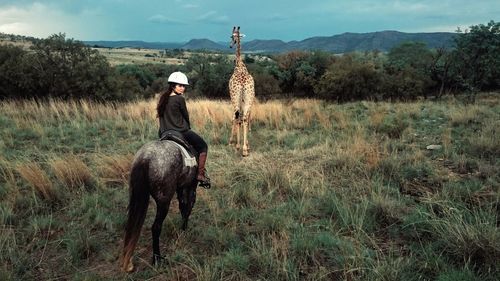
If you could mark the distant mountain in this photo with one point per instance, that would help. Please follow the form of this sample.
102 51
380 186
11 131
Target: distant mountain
265 46
349 42
205 44
342 43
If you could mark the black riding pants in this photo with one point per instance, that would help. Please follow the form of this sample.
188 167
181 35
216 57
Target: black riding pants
196 141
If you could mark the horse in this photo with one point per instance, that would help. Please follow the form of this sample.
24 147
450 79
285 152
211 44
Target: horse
158 171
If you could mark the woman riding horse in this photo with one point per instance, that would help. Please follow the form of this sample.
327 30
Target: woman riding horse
173 115
158 171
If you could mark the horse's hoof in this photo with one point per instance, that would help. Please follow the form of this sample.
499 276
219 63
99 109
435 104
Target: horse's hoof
128 267
157 260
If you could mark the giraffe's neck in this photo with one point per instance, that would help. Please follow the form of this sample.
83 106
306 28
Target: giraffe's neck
240 65
238 51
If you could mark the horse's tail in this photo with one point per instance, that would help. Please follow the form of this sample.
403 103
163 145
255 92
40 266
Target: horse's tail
139 187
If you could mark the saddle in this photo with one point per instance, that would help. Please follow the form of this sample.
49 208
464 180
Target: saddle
189 154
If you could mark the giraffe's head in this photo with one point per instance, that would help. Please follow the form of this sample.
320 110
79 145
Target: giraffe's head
235 36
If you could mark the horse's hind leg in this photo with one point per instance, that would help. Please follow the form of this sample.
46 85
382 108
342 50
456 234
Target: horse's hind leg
161 213
187 198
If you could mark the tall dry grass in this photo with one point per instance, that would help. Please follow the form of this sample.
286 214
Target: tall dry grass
114 169
55 109
71 171
463 115
37 178
298 113
6 172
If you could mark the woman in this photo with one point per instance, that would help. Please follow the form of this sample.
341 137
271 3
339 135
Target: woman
173 115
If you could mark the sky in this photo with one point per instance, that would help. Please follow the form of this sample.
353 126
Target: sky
287 20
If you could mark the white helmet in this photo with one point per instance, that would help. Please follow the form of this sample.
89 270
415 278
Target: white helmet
178 78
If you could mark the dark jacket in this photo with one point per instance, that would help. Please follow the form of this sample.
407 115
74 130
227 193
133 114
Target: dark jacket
176 116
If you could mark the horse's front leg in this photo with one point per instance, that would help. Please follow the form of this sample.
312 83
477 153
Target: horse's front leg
161 214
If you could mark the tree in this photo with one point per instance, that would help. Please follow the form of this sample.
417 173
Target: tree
66 68
410 54
13 82
143 75
264 74
476 59
288 64
299 71
408 71
440 68
209 75
347 79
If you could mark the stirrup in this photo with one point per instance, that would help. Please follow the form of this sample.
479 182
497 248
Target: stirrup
205 183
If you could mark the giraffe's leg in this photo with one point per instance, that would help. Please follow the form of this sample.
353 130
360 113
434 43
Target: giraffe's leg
233 132
249 122
238 140
245 140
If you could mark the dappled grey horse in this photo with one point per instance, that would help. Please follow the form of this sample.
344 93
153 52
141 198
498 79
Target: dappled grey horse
158 170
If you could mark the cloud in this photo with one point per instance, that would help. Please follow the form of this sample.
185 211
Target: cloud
15 28
412 7
444 28
277 17
34 20
207 15
44 19
212 17
190 6
163 19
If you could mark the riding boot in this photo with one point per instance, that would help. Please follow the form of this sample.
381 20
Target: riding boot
202 173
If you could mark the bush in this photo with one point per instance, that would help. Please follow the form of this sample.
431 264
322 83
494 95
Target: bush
408 72
348 80
476 59
13 67
209 75
56 67
404 84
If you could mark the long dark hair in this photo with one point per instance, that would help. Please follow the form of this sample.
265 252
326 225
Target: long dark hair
162 103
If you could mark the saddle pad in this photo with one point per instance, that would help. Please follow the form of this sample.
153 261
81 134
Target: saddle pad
189 161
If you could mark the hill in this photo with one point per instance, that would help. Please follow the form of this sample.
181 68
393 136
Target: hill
341 43
382 41
203 44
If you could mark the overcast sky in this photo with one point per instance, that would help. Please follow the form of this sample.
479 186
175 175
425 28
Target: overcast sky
182 20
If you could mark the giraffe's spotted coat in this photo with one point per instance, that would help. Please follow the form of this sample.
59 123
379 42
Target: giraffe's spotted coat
242 92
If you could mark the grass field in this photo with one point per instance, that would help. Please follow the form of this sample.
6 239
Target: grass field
329 192
22 44
117 56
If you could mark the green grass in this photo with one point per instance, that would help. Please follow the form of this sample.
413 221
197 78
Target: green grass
329 192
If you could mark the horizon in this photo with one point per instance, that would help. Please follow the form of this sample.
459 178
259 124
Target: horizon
326 36
125 20
219 42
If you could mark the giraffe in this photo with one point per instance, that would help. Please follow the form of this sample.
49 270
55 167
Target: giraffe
242 92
